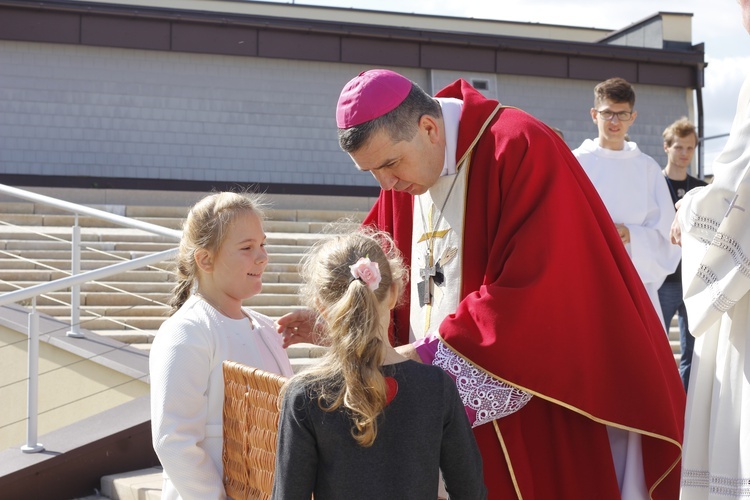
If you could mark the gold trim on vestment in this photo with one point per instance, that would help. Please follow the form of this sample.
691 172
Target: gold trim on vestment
507 459
657 483
579 411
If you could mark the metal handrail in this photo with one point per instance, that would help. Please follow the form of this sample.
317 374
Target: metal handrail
79 279
100 214
73 282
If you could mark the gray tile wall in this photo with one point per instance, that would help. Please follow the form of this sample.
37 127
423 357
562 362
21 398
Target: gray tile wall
90 111
566 103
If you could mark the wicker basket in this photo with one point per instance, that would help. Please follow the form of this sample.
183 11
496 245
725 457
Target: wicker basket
251 420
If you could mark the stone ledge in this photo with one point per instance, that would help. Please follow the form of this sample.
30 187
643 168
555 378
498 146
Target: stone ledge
144 484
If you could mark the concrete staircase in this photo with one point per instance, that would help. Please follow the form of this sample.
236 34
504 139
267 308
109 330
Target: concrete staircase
131 306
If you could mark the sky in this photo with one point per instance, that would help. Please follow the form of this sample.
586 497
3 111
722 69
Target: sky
717 23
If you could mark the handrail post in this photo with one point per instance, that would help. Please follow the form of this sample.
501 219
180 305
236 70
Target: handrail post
75 290
32 405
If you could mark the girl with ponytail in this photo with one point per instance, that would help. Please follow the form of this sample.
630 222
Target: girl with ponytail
365 422
220 264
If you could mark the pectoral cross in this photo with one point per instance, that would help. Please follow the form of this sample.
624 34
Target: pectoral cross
427 273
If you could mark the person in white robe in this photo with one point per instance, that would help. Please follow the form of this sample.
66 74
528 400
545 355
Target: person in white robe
713 225
631 185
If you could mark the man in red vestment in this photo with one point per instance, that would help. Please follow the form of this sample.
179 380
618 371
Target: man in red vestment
549 303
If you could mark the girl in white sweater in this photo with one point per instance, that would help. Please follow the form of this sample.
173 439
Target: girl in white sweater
221 262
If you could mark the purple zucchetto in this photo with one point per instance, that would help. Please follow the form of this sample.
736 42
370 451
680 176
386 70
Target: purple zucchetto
369 95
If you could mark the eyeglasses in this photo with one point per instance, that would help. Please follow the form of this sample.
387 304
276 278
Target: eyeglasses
623 116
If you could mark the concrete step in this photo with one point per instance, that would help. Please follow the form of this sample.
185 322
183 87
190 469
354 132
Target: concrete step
105 232
12 245
36 253
136 338
315 215
170 222
284 258
144 484
305 351
675 345
152 305
113 299
300 240
133 239
141 211
122 201
118 323
61 257
49 220
143 287
139 310
143 347
16 207
144 212
287 249
108 298
310 225
41 275
105 286
65 265
143 246
114 234
282 278
48 244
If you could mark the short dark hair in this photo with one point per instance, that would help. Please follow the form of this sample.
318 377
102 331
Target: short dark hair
680 128
616 90
401 123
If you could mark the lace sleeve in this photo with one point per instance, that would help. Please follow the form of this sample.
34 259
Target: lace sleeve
484 398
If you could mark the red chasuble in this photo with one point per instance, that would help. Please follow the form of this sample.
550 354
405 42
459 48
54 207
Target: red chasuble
551 304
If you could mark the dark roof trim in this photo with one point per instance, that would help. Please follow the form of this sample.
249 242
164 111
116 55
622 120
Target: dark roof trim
257 36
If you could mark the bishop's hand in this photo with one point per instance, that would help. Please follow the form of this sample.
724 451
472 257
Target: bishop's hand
299 326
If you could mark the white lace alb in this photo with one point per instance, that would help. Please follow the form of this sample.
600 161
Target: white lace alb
489 398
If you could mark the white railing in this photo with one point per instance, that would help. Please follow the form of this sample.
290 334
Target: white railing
73 282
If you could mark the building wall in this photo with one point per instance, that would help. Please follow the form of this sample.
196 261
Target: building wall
70 388
85 111
566 104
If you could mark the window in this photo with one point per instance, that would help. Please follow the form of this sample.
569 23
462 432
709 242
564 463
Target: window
480 84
